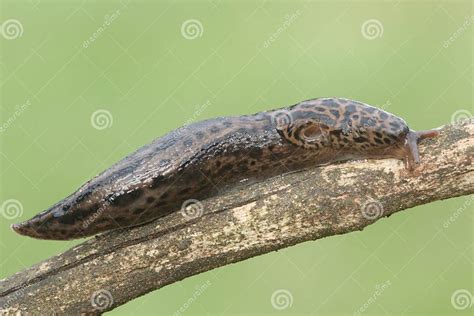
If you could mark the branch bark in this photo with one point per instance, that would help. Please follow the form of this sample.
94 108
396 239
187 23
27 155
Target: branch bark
112 269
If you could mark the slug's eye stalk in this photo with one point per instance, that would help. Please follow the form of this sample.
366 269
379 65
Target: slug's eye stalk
412 156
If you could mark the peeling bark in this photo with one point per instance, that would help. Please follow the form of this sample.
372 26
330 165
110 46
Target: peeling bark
114 268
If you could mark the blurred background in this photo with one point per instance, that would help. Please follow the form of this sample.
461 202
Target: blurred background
85 83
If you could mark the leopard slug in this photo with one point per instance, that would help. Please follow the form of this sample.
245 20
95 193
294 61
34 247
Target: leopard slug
199 160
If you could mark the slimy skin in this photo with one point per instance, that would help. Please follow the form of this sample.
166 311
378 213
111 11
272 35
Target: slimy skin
199 160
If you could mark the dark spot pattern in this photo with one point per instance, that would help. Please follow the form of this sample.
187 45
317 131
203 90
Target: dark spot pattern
335 113
127 198
150 199
138 210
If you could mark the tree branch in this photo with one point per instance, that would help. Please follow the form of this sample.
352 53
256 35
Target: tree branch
112 269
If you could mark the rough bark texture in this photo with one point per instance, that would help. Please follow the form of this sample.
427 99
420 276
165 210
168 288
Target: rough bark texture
112 269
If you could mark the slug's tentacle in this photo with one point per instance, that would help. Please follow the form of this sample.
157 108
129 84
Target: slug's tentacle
427 134
412 159
195 162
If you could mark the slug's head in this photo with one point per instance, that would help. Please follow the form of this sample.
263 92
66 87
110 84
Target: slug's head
350 130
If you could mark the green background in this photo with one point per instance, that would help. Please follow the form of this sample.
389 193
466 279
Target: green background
152 79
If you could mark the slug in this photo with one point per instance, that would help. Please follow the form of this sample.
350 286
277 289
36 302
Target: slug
197 161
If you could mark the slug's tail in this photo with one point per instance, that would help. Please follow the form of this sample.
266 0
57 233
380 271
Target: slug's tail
37 227
40 231
21 228
411 146
49 224
27 229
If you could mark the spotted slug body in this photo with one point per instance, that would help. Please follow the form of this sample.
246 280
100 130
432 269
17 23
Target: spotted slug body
199 160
